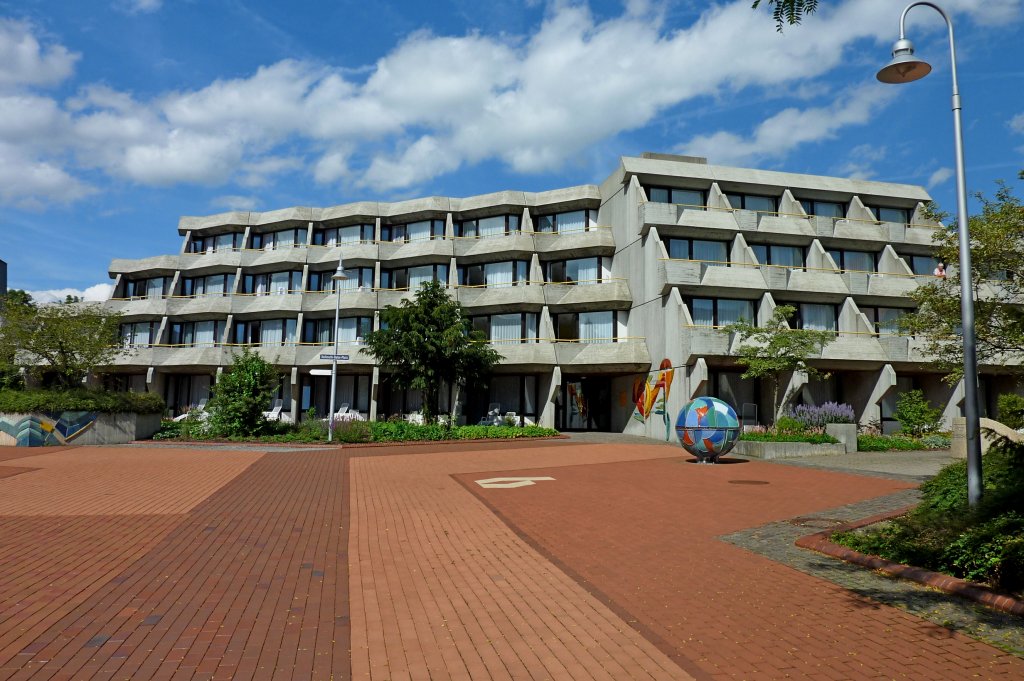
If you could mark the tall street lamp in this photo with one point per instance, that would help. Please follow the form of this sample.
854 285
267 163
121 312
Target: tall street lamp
905 68
338 277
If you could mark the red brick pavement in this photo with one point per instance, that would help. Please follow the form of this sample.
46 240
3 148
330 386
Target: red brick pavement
643 536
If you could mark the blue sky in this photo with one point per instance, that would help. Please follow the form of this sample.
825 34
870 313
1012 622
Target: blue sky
119 116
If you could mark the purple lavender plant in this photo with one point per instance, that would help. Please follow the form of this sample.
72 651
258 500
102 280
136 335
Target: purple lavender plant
816 416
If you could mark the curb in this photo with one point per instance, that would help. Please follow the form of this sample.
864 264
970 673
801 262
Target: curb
343 445
821 543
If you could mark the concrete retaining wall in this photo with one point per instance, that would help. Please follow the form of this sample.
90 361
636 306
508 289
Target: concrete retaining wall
846 433
79 428
784 450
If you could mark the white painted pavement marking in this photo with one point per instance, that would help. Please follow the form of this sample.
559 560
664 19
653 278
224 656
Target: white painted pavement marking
507 483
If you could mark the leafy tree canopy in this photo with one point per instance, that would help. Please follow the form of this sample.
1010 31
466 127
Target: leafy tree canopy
997 278
426 342
62 342
774 349
242 395
788 11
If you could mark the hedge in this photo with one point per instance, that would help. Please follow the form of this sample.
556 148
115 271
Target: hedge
811 438
56 401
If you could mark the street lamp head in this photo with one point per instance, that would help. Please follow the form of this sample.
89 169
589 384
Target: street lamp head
339 274
904 67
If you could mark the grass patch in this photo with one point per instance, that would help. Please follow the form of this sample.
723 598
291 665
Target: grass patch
983 544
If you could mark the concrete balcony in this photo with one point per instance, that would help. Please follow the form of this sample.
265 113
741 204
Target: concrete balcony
517 245
706 341
526 356
692 275
278 355
389 297
921 235
860 230
855 347
326 301
195 264
199 306
356 253
191 357
821 282
772 224
308 355
891 285
138 307
607 295
280 258
140 357
504 299
904 349
286 305
155 266
626 356
595 241
671 215
417 252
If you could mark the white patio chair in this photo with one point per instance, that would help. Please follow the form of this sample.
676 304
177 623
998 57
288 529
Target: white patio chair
200 410
275 412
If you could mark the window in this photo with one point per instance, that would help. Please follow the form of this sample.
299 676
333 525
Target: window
197 334
586 327
720 311
284 238
854 261
818 317
494 274
265 332
211 285
155 287
139 333
716 252
886 214
755 202
578 271
353 330
824 209
567 223
414 231
358 278
506 329
783 256
411 277
278 283
884 319
498 225
923 264
515 393
693 198
352 234
212 244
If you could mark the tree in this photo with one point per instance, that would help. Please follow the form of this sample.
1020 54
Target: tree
10 372
789 11
60 342
771 350
428 341
997 279
242 395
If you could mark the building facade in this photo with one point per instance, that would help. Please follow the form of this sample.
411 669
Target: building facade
607 302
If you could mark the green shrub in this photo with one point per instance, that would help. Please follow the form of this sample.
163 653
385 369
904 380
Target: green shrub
101 401
788 424
885 443
1011 410
935 441
812 438
241 397
916 415
350 431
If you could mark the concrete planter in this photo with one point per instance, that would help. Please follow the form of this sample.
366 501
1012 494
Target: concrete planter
784 450
75 427
846 433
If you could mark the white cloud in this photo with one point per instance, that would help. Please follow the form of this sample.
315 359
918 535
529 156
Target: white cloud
25 180
1017 123
938 177
235 202
58 295
26 62
141 6
436 103
777 136
860 162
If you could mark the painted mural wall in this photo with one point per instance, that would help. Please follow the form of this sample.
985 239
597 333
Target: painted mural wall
650 396
38 430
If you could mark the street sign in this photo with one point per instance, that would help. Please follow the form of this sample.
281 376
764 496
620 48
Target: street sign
325 355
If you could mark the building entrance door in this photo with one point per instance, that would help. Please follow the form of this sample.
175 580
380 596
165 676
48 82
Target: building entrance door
586 404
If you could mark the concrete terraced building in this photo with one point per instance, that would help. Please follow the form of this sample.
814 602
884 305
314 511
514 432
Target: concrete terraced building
601 299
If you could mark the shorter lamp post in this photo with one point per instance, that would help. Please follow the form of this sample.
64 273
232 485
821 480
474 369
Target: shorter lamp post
906 68
338 277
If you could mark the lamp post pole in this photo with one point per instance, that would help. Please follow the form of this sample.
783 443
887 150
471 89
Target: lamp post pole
338 277
905 68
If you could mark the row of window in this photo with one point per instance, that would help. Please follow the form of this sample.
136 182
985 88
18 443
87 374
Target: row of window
561 223
500 329
697 198
814 316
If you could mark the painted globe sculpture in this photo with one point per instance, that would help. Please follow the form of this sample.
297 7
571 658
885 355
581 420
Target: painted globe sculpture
708 428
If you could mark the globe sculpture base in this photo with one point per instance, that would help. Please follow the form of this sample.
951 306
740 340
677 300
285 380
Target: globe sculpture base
708 428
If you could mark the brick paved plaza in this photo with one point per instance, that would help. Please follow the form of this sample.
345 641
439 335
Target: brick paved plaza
394 563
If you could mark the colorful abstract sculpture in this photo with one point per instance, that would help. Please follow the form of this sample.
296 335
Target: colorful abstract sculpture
708 428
